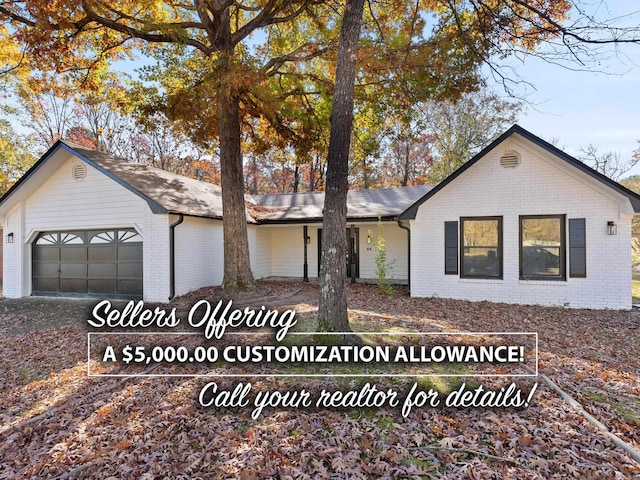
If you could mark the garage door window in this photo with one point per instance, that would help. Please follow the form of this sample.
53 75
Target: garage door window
102 237
47 239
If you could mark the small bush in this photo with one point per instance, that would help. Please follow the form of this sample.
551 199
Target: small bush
384 268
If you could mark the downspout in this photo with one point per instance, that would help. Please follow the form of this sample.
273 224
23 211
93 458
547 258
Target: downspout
305 268
172 256
405 227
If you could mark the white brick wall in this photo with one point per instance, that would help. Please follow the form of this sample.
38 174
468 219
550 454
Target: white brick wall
61 203
540 185
199 254
259 248
13 262
156 257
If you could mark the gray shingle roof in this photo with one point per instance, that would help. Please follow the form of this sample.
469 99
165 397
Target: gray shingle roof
370 204
167 192
180 194
170 191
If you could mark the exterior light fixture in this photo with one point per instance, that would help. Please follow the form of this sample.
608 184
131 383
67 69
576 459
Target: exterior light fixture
612 228
10 237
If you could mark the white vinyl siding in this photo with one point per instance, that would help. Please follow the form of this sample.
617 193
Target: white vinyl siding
396 242
95 202
287 250
259 251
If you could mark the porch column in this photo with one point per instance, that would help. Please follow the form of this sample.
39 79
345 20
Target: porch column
305 239
352 252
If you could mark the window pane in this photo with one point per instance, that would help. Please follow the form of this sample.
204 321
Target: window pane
47 239
70 239
102 237
481 249
129 236
541 247
480 232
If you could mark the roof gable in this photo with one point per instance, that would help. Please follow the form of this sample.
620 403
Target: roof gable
164 192
634 199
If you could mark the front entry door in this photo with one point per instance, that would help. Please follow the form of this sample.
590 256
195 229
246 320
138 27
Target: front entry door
353 253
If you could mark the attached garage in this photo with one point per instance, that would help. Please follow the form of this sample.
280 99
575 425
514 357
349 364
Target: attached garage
83 223
90 262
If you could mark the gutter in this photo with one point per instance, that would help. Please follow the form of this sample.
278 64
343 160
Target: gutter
309 220
305 266
172 256
405 227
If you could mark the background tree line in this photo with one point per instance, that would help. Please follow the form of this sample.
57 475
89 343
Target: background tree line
431 140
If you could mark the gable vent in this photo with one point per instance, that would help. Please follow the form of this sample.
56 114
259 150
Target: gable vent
79 171
510 159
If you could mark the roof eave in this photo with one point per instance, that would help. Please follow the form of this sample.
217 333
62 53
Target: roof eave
297 221
29 173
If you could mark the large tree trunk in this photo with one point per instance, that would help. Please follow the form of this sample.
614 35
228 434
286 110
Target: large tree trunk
237 268
332 311
296 178
407 164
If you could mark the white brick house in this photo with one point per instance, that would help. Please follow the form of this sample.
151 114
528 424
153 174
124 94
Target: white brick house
521 222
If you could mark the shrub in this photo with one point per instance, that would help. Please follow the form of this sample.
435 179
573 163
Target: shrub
384 268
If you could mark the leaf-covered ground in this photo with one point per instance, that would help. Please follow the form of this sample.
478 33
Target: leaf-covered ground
56 422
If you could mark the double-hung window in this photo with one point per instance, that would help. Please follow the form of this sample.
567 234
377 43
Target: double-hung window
542 247
481 247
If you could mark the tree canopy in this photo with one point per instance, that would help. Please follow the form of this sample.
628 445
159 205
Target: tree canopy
15 155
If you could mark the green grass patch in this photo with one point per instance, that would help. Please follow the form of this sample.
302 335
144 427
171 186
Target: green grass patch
32 373
628 410
635 288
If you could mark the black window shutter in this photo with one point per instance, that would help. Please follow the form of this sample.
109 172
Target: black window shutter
451 248
577 248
